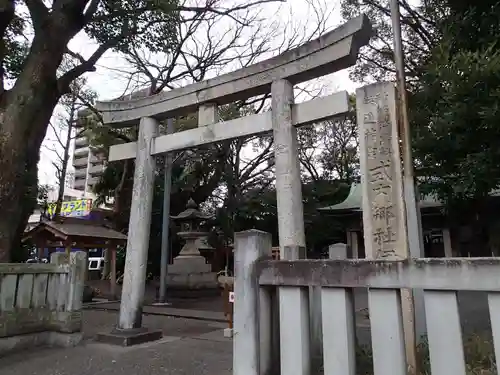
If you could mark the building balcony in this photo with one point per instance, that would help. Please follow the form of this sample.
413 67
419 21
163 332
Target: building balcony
79 162
96 159
81 142
81 151
96 170
79 184
80 173
91 181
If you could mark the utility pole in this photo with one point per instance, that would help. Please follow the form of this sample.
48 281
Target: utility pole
166 220
414 299
413 216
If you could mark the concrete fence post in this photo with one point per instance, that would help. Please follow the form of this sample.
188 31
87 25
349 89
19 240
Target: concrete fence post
76 280
59 258
66 291
249 247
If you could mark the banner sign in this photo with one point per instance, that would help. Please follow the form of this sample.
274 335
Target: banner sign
76 208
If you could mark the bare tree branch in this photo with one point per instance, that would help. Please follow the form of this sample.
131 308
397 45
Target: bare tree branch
226 11
56 133
87 66
76 55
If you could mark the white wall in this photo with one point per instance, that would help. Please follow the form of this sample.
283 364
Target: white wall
52 196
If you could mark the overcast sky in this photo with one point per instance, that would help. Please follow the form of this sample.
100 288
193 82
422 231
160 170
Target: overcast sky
109 83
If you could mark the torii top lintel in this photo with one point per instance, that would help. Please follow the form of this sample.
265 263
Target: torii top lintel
331 52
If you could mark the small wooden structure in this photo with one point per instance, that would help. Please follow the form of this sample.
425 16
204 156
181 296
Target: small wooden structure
74 233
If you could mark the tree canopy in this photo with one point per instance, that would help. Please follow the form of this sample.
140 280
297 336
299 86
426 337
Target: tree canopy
452 65
34 50
456 107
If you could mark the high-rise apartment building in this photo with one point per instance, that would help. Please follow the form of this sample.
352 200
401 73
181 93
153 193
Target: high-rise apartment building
88 165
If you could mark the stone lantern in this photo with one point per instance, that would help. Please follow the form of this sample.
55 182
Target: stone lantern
191 220
190 272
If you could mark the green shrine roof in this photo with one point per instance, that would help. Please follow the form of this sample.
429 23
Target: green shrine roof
354 201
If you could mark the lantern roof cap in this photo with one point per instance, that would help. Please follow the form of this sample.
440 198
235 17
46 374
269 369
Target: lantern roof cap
192 213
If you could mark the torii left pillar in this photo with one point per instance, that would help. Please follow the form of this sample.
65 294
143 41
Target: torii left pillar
129 330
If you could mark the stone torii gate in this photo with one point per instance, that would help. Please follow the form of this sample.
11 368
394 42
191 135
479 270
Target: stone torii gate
331 52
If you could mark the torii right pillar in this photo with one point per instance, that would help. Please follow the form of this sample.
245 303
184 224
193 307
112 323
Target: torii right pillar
384 219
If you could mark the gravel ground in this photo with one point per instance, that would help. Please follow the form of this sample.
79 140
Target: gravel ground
188 347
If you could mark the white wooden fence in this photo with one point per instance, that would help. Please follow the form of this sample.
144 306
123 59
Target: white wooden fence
258 278
40 298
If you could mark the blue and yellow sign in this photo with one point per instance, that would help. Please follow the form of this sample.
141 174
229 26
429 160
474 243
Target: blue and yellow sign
76 208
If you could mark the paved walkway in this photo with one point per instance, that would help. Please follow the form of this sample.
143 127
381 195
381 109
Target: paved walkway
188 347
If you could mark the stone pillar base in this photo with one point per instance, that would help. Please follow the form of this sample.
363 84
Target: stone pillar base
189 264
129 337
191 276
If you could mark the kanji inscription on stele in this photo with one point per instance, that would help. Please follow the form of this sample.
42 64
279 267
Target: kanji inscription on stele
383 209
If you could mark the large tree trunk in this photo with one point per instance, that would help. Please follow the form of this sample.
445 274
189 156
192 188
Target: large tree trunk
29 204
19 155
25 112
